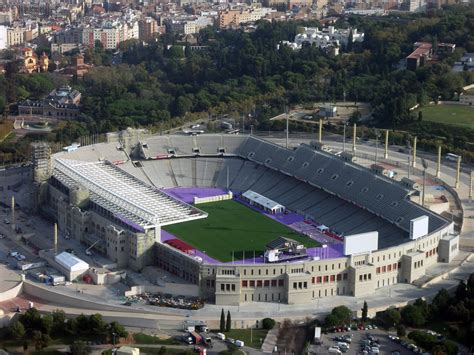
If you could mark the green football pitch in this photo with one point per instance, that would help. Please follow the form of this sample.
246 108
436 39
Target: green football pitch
456 115
233 227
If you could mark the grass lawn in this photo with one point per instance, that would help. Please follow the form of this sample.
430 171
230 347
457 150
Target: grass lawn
232 226
244 335
449 114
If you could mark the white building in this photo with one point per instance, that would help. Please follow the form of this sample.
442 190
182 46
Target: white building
3 37
328 36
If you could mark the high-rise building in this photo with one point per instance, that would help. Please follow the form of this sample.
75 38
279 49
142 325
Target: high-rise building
147 29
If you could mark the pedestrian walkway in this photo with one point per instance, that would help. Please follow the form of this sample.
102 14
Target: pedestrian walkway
270 340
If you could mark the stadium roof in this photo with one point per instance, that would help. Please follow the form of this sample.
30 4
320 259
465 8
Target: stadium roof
128 198
71 262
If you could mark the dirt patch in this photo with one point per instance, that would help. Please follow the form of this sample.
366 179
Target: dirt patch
292 339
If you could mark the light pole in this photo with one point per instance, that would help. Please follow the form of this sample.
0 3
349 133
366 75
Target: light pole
344 137
425 165
114 335
409 156
377 135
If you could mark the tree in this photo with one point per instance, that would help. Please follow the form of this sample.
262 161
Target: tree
17 330
365 310
222 323
470 286
413 315
343 314
228 323
46 323
79 348
401 331
117 329
41 340
268 323
59 321
97 324
31 320
392 317
461 291
420 116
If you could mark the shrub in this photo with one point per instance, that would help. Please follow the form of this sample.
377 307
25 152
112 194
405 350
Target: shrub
401 331
268 323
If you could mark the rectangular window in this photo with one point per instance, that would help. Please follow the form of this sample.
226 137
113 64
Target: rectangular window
295 285
319 279
259 283
252 283
266 283
326 279
399 264
345 276
222 287
333 278
390 268
274 283
377 270
281 282
384 269
305 284
233 287
244 283
339 277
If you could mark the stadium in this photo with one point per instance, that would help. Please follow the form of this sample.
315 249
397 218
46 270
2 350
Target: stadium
242 218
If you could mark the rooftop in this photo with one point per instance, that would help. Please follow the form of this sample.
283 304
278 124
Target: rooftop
128 198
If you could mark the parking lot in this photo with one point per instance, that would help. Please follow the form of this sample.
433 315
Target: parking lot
358 337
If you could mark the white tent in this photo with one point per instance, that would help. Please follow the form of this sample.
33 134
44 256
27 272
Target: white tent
255 199
71 262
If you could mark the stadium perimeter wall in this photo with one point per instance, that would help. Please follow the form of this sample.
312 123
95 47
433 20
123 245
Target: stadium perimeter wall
296 283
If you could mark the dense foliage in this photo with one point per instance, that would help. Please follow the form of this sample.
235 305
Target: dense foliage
43 328
161 82
452 315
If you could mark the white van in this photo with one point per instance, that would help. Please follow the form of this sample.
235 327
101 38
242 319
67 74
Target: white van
220 336
334 350
239 343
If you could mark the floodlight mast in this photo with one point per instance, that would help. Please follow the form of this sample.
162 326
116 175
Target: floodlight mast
425 166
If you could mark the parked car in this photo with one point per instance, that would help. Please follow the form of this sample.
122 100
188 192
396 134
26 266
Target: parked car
239 343
20 257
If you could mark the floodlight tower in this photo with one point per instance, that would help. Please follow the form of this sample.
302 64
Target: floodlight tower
458 172
354 138
413 162
425 166
409 156
438 165
320 137
377 136
385 155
